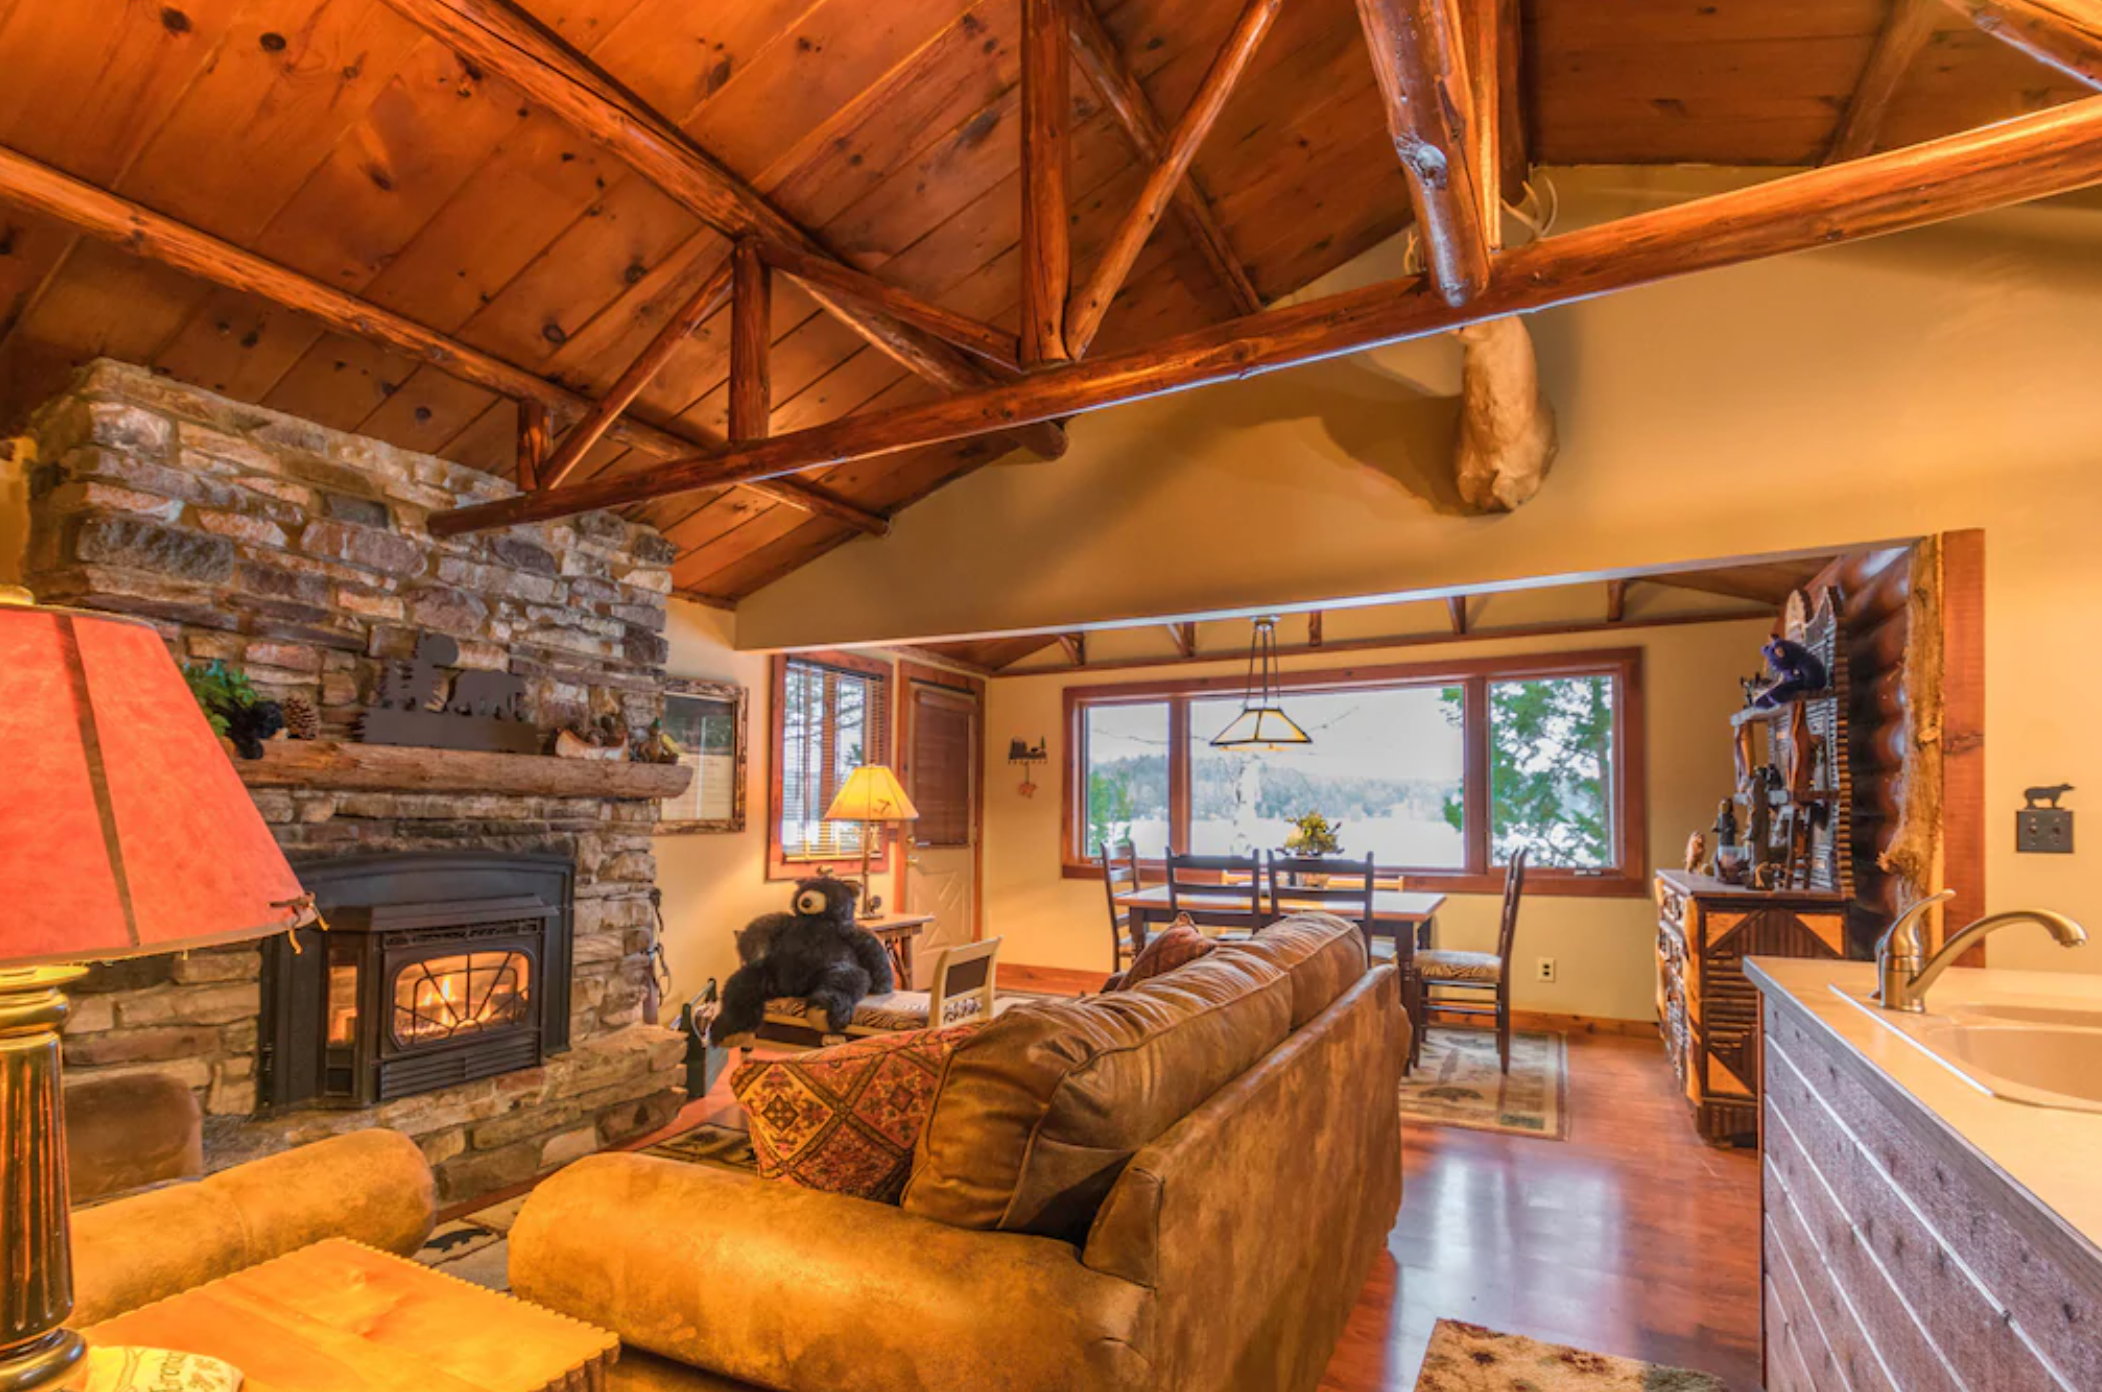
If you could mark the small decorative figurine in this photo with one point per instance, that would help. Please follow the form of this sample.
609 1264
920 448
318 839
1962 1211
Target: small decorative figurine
2034 799
1725 824
1696 853
1796 671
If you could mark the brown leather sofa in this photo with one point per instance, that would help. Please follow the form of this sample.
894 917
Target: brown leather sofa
1178 1187
371 1186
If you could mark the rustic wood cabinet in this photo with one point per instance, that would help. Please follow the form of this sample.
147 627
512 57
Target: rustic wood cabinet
1707 1011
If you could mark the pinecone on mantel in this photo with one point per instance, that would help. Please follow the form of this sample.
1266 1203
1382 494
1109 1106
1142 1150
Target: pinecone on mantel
302 720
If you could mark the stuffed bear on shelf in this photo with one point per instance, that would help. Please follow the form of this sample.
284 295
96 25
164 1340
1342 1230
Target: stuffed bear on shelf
816 954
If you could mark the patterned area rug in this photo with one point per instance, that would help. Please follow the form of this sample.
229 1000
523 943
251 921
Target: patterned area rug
477 1247
1458 1083
1469 1358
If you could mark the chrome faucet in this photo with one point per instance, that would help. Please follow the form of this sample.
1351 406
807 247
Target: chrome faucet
1904 970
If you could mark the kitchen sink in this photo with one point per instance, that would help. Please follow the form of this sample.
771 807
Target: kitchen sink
2040 1052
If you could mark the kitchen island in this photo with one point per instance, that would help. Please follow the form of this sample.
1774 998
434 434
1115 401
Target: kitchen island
1924 1233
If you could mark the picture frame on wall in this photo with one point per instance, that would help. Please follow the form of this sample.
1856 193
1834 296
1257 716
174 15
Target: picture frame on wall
708 720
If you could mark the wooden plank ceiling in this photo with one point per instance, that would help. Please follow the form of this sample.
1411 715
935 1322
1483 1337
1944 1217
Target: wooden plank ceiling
337 138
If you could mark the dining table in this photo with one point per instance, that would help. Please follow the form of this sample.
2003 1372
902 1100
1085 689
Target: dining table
1405 917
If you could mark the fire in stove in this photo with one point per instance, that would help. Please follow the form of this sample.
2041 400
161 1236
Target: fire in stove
447 997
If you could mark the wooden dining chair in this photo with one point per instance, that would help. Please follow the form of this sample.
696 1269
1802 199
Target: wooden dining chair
1451 982
1233 884
1325 885
1120 876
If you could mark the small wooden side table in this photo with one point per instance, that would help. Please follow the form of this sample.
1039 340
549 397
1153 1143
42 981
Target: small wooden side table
343 1317
896 932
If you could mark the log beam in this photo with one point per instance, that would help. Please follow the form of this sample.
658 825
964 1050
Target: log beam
996 346
1313 628
1047 122
2062 34
1418 57
1905 32
1456 613
1112 79
1616 601
500 40
2035 156
1091 302
751 344
1185 636
1496 139
1075 645
152 237
641 372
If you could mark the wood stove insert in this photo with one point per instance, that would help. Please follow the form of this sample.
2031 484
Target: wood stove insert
435 969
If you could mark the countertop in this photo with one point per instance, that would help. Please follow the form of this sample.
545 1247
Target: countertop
2049 1153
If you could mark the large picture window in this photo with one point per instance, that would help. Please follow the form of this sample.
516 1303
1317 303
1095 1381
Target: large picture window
1440 772
831 715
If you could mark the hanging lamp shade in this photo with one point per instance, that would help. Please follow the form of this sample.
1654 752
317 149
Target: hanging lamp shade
124 829
1262 723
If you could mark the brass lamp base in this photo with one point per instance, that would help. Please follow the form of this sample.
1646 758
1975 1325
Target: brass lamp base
36 1351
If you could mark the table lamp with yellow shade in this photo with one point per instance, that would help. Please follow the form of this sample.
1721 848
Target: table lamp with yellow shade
124 832
870 795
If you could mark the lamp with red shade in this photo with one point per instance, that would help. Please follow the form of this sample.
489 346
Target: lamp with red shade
124 832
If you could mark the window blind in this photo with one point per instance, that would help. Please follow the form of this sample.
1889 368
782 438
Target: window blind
832 722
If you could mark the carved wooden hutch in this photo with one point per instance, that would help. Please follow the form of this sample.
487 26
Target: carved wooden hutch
1795 791
1707 1010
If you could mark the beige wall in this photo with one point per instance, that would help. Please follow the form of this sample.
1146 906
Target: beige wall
1941 379
1603 948
715 884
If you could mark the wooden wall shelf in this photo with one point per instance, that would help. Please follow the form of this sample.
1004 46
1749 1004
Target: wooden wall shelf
405 769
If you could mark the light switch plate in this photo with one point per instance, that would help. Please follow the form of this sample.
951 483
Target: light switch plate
2044 830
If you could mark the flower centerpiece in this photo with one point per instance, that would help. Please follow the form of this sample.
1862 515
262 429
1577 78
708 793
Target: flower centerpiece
1314 835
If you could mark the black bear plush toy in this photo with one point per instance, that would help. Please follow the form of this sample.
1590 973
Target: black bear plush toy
816 954
1796 670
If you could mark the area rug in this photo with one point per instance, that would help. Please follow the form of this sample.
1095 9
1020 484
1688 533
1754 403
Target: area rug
476 1247
1469 1358
1457 1083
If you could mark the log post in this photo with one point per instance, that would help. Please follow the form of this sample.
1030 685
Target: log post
2033 156
818 273
1091 302
535 431
1047 109
1905 32
1112 79
1422 72
751 332
1456 613
2062 34
641 372
151 237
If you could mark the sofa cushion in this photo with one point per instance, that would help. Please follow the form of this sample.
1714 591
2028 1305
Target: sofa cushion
1177 945
845 1119
1042 1108
1323 954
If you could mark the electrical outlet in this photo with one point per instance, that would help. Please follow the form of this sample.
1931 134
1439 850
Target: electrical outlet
1545 970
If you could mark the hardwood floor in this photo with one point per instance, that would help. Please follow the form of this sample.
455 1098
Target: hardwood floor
1632 1237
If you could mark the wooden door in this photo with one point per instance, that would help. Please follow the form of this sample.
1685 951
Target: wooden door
943 744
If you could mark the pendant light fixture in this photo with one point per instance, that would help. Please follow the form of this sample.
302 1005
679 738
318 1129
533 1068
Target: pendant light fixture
1262 723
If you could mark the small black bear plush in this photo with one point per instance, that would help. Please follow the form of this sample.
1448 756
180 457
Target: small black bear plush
1796 669
816 954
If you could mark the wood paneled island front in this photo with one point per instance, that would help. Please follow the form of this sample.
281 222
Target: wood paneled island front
1921 1233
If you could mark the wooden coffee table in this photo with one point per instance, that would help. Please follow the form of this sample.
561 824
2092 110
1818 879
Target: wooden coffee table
343 1317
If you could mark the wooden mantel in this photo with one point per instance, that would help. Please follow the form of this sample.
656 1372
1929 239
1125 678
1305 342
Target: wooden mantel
403 769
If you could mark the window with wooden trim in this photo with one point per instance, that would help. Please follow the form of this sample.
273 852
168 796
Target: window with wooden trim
1440 772
831 715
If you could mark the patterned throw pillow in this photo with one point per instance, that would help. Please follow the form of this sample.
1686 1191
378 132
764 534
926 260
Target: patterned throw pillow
845 1119
1177 945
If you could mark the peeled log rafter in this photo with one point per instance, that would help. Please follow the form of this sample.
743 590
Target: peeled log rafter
2063 34
2029 157
1507 425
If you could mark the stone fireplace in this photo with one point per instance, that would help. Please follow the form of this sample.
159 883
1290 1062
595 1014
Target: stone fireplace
435 969
488 968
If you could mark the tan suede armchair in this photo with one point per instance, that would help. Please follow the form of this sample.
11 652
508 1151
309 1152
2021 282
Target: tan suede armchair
1227 1254
373 1186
